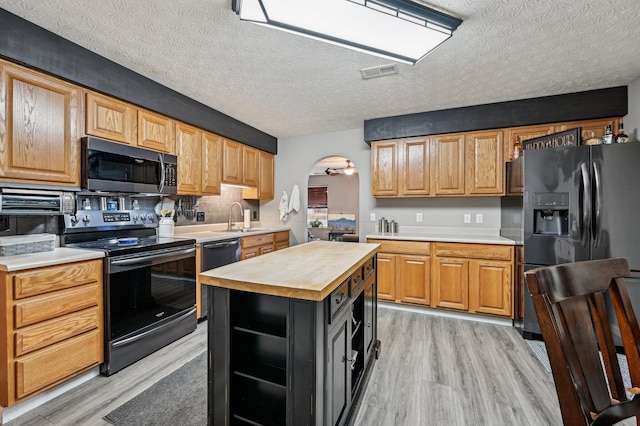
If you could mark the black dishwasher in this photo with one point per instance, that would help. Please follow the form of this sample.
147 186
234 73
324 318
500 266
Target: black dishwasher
215 254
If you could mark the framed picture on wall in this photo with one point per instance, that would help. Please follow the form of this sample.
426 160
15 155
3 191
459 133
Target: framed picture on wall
343 222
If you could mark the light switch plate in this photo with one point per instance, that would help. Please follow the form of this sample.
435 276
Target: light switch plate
479 218
467 218
372 217
418 217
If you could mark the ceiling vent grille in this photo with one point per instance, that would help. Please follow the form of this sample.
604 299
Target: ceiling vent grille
379 71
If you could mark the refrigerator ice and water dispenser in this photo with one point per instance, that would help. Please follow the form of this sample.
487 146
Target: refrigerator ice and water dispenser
551 213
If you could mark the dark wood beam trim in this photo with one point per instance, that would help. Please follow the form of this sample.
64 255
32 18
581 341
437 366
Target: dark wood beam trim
28 44
592 104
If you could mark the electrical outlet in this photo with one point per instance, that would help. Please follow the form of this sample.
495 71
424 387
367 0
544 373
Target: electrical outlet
200 217
467 218
372 217
419 217
479 218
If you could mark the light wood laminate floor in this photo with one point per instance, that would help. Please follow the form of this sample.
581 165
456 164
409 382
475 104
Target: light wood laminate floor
431 371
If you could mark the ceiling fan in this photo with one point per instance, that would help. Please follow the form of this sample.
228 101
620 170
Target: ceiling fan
335 171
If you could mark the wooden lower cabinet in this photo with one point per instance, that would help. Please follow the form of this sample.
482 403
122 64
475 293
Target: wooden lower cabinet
404 271
474 278
257 245
281 240
53 320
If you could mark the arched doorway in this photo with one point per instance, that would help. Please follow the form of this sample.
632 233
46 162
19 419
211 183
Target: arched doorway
333 194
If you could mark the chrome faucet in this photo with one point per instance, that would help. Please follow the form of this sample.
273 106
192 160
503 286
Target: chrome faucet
230 225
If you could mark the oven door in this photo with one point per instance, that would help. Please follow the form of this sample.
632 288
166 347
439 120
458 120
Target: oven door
150 302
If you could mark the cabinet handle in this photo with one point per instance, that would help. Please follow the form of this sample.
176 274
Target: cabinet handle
341 298
354 357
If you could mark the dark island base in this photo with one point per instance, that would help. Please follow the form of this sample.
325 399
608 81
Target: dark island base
283 361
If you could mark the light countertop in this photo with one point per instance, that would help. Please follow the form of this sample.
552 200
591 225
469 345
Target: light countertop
450 235
56 256
309 271
217 232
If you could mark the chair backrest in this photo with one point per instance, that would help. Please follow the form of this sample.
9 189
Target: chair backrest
571 303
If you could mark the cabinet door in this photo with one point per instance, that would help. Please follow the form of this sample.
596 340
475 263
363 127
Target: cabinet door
450 284
39 117
447 164
155 132
339 371
413 279
211 163
188 147
524 133
485 166
231 162
264 190
250 166
490 288
414 167
597 127
111 119
386 276
384 172
518 283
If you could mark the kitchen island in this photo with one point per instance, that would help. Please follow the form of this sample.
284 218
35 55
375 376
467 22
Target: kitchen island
292 335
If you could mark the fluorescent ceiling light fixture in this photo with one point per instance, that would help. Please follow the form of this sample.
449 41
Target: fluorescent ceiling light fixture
395 29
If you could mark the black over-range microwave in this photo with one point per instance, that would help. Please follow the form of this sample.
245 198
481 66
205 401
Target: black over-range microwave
115 167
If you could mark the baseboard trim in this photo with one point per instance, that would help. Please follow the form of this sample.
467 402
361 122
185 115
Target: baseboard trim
445 313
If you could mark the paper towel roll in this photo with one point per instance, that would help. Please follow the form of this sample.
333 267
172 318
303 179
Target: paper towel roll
247 218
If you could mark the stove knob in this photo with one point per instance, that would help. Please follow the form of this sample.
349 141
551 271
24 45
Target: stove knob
74 219
86 219
135 218
150 217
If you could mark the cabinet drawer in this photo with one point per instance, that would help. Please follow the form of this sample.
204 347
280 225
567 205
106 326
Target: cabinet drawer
282 236
45 280
56 330
402 247
474 251
338 299
369 267
50 365
257 240
56 304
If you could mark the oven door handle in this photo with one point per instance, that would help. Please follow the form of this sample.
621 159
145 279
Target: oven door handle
165 256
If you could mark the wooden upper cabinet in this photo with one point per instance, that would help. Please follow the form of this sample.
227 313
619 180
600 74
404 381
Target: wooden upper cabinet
231 162
414 167
211 163
188 148
485 165
111 119
265 189
155 131
524 133
384 172
597 127
250 166
447 164
40 118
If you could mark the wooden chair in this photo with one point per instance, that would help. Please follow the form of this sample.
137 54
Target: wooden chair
570 303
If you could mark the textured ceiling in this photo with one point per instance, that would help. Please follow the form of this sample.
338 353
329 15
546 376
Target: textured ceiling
288 85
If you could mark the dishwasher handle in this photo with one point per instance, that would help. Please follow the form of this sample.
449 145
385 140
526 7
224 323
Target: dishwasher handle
219 245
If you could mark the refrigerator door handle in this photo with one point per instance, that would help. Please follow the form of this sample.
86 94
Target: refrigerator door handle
597 204
586 203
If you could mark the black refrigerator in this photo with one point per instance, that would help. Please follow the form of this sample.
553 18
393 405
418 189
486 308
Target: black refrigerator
581 203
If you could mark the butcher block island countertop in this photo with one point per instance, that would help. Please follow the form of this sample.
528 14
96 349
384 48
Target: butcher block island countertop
309 271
